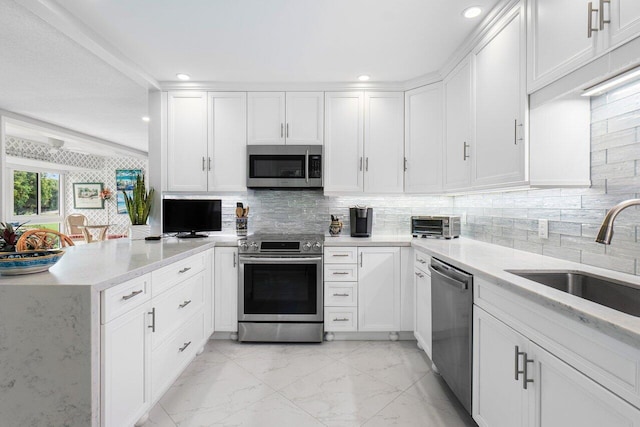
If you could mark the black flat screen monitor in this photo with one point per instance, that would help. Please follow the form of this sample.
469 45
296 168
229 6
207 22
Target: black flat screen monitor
188 216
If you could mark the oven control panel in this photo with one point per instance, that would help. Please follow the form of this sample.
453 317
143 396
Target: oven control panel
265 244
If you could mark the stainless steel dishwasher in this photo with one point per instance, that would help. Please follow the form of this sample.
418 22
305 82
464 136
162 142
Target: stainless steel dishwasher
452 322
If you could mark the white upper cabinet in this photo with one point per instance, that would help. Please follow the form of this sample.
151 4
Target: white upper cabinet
187 163
304 124
559 40
344 142
384 142
500 100
285 118
625 21
423 139
227 141
206 141
266 118
457 146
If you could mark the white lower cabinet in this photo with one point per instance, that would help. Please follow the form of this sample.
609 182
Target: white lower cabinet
422 298
152 327
226 289
518 383
126 350
379 289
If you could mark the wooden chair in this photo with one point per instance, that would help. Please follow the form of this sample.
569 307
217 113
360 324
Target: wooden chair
72 222
40 238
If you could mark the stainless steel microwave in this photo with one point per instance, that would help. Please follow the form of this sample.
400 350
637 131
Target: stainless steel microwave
442 226
284 166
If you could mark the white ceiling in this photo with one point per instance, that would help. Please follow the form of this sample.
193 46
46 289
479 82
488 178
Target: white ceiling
57 64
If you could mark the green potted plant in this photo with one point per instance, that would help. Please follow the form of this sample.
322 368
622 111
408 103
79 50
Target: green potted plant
139 207
9 235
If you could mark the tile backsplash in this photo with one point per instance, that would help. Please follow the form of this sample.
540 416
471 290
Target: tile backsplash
511 218
309 211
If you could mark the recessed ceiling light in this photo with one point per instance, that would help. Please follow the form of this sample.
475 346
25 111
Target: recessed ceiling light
472 12
146 119
363 78
182 76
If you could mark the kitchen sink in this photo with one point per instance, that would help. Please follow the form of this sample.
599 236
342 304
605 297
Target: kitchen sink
614 294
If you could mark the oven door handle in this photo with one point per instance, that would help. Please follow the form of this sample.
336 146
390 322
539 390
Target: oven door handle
260 260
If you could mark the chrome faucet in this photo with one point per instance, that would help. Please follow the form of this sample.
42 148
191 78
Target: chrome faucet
606 229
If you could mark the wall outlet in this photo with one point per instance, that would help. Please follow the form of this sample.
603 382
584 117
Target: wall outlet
543 228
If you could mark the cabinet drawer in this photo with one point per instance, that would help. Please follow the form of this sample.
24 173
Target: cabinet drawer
340 255
174 307
341 272
125 296
341 319
165 277
169 359
422 261
341 294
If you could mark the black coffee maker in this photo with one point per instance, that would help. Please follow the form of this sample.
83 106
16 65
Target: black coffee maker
361 221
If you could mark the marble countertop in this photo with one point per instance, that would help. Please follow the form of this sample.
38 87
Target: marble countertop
108 263
491 261
374 240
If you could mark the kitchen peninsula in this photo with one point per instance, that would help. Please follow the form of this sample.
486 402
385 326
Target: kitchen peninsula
53 330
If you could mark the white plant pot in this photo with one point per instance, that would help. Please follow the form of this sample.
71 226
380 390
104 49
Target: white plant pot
139 232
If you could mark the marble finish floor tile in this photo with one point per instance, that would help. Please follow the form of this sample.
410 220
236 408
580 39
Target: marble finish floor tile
399 364
340 383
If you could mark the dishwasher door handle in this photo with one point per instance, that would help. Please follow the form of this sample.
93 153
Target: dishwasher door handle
449 280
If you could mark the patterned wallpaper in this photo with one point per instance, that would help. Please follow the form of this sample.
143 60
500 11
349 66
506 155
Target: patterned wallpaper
97 169
511 218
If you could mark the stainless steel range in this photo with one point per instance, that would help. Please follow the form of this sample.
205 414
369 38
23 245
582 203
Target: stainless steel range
280 295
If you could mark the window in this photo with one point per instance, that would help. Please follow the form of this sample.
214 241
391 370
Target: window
36 197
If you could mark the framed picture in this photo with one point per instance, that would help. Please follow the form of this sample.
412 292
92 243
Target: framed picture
125 179
86 195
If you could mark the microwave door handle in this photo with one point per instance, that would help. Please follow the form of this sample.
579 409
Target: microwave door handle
306 165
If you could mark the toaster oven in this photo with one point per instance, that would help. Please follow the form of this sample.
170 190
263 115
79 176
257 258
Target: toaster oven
439 226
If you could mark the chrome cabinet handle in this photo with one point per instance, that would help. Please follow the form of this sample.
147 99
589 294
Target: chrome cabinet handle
602 20
202 162
361 255
420 275
184 304
405 164
281 130
360 164
340 255
153 319
209 162
339 272
525 379
131 295
183 348
306 162
366 163
343 319
421 261
184 270
340 295
517 355
287 130
234 260
590 28
465 156
515 132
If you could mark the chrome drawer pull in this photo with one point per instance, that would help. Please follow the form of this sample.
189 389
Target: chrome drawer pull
344 319
420 275
153 319
340 272
184 304
187 344
184 270
132 294
421 261
340 295
340 255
